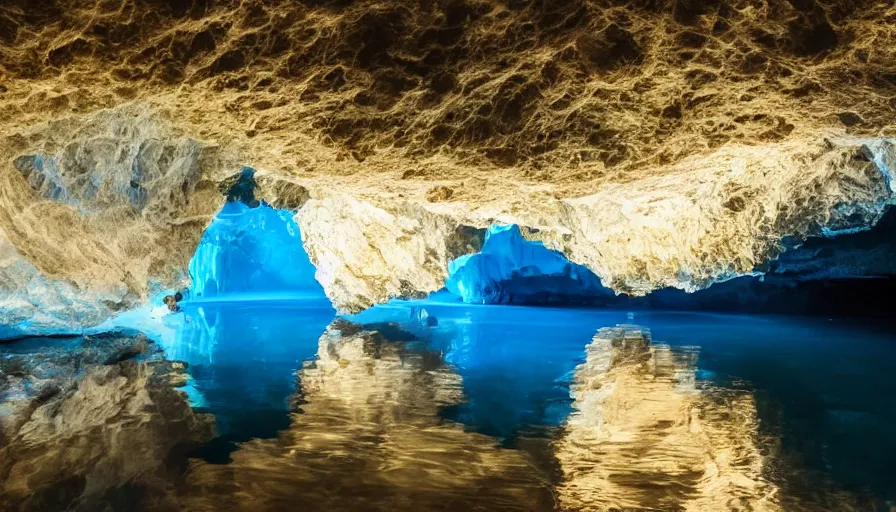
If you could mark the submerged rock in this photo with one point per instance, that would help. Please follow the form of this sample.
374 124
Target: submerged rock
89 421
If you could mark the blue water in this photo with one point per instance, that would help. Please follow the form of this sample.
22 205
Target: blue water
823 387
243 356
516 362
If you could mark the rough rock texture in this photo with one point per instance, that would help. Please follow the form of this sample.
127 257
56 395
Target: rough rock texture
714 220
32 304
113 203
846 275
365 255
84 425
662 143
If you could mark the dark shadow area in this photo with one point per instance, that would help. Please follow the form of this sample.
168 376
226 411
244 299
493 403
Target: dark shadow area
849 275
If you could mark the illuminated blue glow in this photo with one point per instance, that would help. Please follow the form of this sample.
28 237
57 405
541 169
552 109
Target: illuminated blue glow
243 357
242 350
511 269
516 362
248 250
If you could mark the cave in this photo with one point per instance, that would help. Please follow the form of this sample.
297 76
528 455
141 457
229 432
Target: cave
449 255
844 276
512 270
847 275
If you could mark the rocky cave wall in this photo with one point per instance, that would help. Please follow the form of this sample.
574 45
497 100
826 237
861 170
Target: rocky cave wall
660 143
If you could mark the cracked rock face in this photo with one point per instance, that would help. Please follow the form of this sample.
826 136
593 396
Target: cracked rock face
33 304
103 207
670 143
713 219
365 255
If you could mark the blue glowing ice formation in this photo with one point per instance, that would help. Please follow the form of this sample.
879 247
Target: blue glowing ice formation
251 250
511 269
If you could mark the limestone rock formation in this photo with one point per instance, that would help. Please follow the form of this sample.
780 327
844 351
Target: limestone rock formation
109 203
840 276
30 303
724 216
365 254
668 143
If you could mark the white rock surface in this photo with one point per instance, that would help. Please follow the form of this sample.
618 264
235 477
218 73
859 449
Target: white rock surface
719 217
364 254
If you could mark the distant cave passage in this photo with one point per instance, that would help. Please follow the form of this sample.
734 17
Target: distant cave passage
850 274
513 270
252 250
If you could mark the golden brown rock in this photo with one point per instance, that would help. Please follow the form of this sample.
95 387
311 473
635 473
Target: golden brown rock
519 109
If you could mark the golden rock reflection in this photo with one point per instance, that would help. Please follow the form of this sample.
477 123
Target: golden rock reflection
644 435
369 437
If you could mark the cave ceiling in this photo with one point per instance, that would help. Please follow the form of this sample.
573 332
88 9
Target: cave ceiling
558 96
481 111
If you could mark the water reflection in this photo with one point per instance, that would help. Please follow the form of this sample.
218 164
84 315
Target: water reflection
515 362
645 437
243 357
369 437
428 406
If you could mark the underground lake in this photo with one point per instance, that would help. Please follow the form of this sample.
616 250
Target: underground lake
447 255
